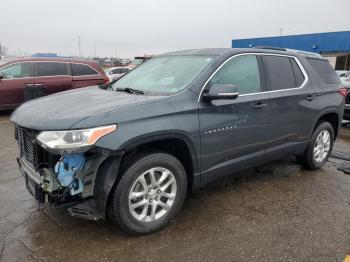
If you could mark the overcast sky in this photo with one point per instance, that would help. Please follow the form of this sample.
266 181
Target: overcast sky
134 27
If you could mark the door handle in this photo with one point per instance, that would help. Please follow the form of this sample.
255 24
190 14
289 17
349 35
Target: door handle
259 105
310 97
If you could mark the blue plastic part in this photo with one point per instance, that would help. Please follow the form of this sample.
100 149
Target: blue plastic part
66 170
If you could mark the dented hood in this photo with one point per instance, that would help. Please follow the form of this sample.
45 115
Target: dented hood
63 110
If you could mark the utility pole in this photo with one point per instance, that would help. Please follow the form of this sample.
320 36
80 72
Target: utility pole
0 50
95 48
79 45
280 31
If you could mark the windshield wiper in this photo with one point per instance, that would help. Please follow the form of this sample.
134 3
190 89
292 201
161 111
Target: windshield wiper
130 90
108 85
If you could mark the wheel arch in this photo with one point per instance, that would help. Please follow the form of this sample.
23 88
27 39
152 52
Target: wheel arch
176 144
332 116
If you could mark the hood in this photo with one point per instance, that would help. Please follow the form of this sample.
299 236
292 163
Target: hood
63 110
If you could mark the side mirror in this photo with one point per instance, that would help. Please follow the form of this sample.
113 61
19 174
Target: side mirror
342 74
1 76
218 91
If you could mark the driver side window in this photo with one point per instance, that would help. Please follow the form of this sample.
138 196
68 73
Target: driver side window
19 70
242 72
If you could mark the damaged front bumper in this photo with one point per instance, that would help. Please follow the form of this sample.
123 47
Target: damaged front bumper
84 195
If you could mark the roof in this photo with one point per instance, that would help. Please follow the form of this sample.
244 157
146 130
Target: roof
57 59
317 43
225 52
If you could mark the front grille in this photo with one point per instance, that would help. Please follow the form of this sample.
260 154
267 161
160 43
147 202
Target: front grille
27 146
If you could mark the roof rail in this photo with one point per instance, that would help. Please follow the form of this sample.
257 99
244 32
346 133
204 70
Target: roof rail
304 52
271 48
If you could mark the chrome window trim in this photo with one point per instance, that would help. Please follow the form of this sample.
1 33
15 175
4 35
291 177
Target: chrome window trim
306 77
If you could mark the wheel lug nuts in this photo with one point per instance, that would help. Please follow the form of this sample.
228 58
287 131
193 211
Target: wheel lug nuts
150 200
156 198
158 192
146 196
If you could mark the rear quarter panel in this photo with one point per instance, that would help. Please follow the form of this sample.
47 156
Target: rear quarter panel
329 100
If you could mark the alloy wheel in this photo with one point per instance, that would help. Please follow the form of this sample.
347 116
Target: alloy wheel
322 145
152 194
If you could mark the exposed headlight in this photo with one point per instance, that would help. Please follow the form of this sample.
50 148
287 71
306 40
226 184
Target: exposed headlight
71 139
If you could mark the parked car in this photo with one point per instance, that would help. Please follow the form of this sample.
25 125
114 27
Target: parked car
115 73
341 73
345 79
54 74
138 60
133 149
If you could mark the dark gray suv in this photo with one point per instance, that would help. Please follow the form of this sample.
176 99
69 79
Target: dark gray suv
133 149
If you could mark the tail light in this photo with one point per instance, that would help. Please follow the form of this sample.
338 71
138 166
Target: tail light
106 80
343 91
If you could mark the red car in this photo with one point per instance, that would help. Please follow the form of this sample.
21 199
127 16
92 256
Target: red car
52 74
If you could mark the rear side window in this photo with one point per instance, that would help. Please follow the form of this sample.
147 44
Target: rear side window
51 69
324 70
298 75
82 70
242 72
280 72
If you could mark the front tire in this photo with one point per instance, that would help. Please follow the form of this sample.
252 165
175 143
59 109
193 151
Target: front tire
149 194
319 148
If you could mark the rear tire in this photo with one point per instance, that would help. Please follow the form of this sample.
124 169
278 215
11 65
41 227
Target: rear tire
150 193
319 148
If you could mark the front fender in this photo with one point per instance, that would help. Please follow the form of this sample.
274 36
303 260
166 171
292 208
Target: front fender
159 136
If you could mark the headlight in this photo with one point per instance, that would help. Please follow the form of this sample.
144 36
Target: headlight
71 139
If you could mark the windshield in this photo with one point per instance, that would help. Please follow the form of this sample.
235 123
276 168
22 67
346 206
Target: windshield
166 74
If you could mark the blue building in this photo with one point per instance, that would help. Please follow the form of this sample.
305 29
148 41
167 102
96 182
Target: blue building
44 55
333 45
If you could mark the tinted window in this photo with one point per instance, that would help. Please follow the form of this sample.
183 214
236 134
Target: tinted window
82 70
299 77
324 70
280 72
19 70
50 69
241 71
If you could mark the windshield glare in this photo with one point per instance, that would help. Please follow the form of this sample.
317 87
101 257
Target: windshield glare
166 74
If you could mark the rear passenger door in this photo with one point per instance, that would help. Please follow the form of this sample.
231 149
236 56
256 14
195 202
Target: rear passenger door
84 75
292 105
53 75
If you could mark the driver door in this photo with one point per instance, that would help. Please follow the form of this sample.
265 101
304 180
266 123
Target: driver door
15 78
234 133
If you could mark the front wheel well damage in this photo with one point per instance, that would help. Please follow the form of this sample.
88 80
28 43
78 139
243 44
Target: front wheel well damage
173 146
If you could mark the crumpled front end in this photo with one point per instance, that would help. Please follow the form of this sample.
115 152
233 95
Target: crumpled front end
66 180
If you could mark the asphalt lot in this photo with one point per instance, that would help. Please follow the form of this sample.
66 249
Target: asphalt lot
276 212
